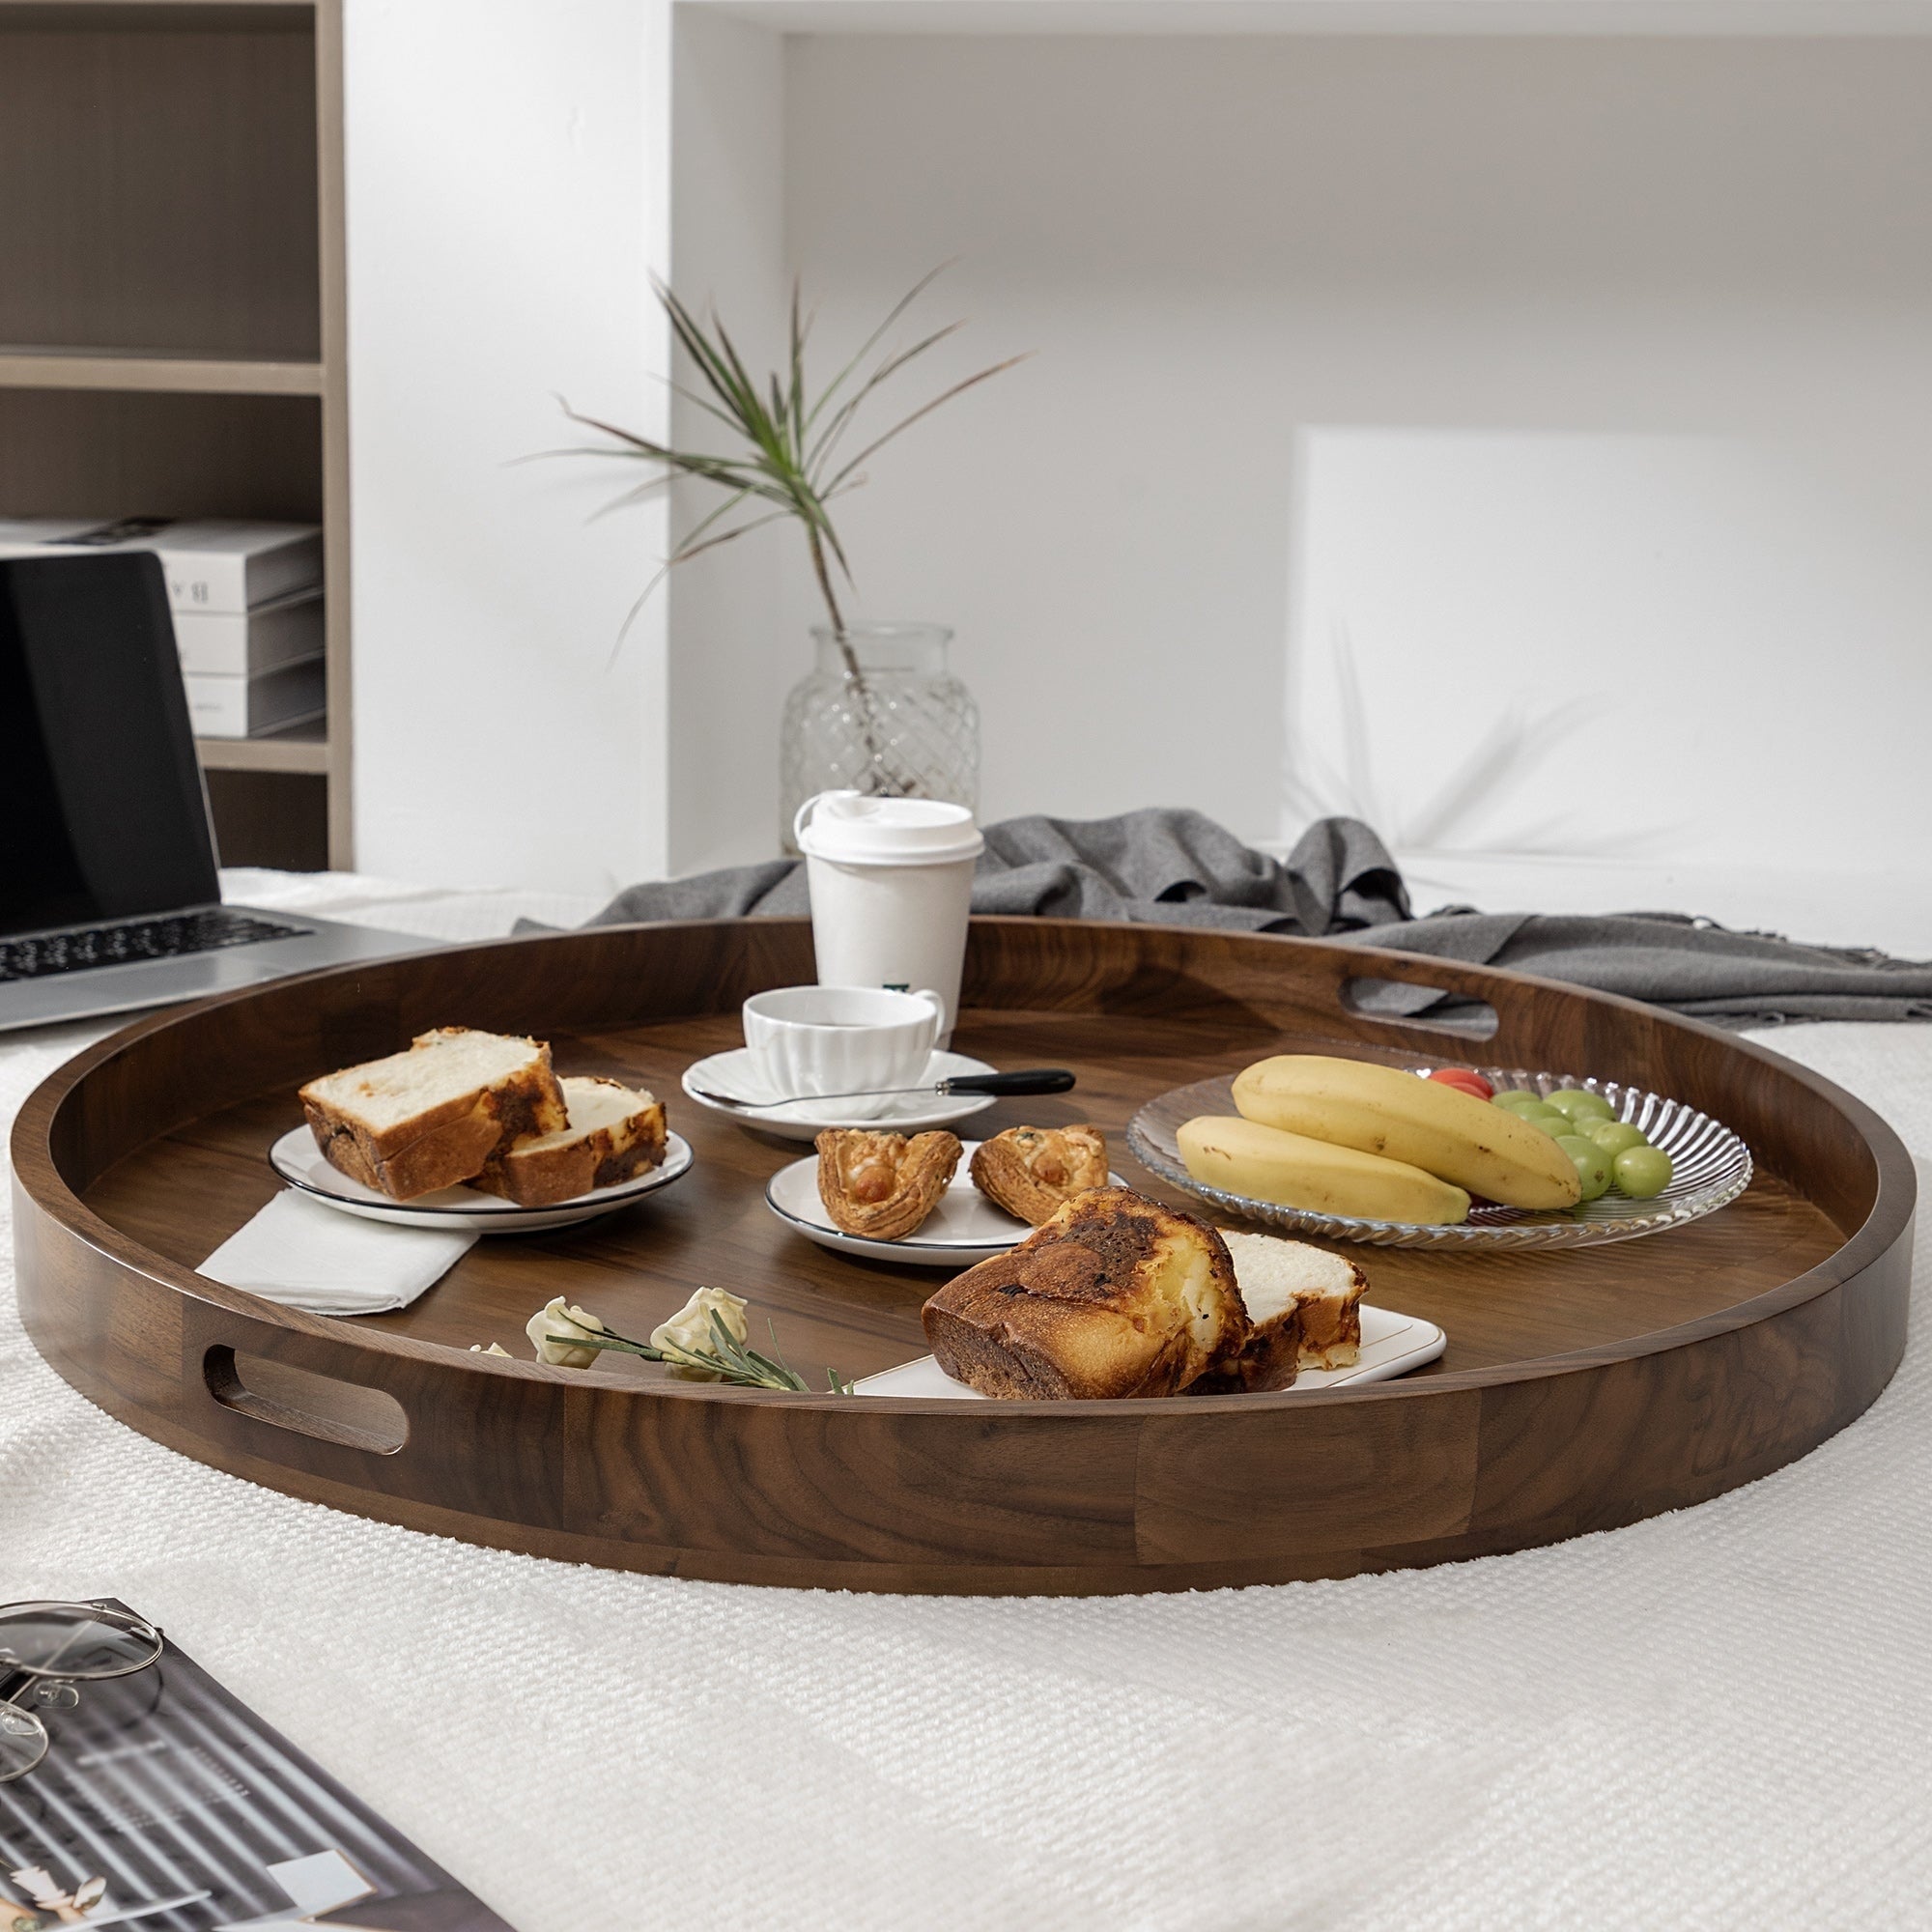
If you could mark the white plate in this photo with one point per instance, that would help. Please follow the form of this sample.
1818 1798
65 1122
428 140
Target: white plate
736 1073
1392 1344
963 1229
299 1162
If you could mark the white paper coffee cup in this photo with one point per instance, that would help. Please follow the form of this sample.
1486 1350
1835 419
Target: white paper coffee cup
892 886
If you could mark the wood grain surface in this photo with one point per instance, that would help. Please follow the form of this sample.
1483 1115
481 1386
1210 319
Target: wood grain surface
1580 1389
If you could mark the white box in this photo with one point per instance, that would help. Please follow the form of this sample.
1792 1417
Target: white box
222 704
209 566
244 643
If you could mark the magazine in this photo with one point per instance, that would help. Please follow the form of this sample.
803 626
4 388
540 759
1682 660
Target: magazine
164 1805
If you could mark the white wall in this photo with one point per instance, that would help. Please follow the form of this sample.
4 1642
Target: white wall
1502 358
506 196
1688 670
731 657
1661 310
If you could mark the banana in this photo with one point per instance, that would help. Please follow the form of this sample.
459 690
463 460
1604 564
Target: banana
1381 1110
1268 1164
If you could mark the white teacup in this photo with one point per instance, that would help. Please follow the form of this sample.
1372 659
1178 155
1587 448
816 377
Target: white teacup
841 1040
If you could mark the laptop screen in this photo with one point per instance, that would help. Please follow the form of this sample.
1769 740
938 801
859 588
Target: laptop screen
100 795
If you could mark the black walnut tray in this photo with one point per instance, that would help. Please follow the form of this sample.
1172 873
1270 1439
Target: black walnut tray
1581 1390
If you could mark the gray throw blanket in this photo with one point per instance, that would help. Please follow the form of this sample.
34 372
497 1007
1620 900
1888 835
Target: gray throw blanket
1178 867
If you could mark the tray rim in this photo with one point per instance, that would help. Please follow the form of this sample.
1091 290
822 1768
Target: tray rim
40 1185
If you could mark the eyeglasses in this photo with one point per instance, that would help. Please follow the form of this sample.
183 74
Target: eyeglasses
46 1652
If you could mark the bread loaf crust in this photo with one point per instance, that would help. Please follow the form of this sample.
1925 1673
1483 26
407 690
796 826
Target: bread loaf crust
1116 1296
602 1157
444 1145
1331 1325
1271 1360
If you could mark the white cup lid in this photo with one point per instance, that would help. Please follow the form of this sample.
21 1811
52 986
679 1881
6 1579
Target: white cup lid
850 828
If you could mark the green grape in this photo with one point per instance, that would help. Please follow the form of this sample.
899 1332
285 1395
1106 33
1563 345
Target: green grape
1579 1105
1614 1137
1643 1172
1513 1099
1593 1164
1547 1118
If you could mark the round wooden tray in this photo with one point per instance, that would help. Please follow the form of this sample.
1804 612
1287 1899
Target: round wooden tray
1580 1390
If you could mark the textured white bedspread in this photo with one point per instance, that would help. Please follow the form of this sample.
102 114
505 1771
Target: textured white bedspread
1722 1718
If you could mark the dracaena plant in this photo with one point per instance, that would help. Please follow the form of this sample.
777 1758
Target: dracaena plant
786 450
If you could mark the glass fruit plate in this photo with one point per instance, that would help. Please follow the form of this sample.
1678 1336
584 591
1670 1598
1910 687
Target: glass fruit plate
1710 1167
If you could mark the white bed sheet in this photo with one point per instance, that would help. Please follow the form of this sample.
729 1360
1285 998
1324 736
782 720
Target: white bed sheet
1718 1718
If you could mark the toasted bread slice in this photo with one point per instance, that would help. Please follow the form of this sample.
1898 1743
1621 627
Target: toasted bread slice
433 1115
614 1132
883 1185
1325 1289
1116 1295
1034 1172
1272 1358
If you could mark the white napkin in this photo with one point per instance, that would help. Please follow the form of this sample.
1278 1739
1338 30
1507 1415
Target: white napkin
306 1255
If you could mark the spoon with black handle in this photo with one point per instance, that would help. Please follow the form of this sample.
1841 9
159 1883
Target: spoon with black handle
1029 1080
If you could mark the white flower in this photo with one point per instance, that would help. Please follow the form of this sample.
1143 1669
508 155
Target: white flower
559 1318
689 1330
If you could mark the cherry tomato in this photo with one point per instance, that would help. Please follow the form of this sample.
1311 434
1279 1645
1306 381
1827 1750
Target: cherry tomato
1469 1083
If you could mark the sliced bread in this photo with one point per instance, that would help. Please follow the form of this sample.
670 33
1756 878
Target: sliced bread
1116 1295
613 1133
1272 1356
1324 1290
434 1116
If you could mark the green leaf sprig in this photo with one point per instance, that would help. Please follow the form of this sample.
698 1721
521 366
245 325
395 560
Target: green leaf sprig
789 442
728 1359
787 462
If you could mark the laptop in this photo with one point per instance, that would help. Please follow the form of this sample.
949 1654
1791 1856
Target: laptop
109 899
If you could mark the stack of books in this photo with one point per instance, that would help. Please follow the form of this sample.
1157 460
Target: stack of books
247 609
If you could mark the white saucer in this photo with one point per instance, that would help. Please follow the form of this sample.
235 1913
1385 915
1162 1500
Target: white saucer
299 1162
1392 1344
963 1229
736 1074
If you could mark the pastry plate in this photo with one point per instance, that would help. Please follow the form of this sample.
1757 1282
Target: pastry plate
1710 1168
737 1074
964 1228
299 1162
1392 1344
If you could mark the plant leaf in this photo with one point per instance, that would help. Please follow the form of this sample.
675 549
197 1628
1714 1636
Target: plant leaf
899 428
782 460
829 435
871 342
687 550
799 331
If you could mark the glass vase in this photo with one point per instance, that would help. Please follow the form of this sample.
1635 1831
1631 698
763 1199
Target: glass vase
879 713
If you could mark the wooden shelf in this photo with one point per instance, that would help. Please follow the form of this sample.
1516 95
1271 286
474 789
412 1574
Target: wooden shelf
173 318
199 16
131 369
305 748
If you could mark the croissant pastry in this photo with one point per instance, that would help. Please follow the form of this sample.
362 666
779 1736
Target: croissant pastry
883 1185
1034 1172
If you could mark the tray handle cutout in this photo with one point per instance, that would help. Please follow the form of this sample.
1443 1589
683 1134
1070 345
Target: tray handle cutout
1406 1003
324 1406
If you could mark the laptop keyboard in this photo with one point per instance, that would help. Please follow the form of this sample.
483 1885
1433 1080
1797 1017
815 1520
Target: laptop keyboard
165 938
